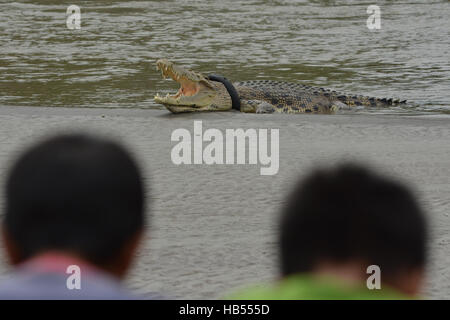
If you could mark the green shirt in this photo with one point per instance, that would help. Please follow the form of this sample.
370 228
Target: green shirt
308 287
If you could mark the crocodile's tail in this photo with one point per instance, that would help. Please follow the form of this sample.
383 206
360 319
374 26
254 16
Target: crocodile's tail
368 101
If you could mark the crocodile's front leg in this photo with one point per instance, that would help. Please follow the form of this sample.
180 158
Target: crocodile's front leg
256 106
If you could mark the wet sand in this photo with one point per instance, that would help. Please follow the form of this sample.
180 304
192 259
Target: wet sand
214 227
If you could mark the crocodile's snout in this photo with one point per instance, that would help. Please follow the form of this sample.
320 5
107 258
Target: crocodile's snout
195 92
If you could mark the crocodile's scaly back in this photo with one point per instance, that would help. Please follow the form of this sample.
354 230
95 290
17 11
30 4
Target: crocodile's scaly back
288 97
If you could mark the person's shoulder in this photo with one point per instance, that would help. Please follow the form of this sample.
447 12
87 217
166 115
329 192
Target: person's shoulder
25 285
308 287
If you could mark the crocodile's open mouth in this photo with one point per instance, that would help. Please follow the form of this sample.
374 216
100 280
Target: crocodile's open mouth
195 93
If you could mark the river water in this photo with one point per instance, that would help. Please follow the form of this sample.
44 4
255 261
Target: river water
109 61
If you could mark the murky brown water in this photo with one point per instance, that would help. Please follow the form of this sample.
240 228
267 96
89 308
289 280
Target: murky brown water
108 63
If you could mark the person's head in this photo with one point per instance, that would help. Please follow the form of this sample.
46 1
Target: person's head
75 194
345 219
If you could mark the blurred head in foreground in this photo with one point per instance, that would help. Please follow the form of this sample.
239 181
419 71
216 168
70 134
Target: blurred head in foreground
76 196
340 221
348 233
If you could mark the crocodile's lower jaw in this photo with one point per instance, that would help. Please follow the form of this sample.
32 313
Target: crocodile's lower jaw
184 109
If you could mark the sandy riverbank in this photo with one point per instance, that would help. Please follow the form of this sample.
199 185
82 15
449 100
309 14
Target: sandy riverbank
214 227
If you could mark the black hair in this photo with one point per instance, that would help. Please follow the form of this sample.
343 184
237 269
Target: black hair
74 193
347 213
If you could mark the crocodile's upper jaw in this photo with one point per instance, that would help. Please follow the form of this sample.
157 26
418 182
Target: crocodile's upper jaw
196 93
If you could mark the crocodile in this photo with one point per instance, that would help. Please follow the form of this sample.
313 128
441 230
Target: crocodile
215 93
